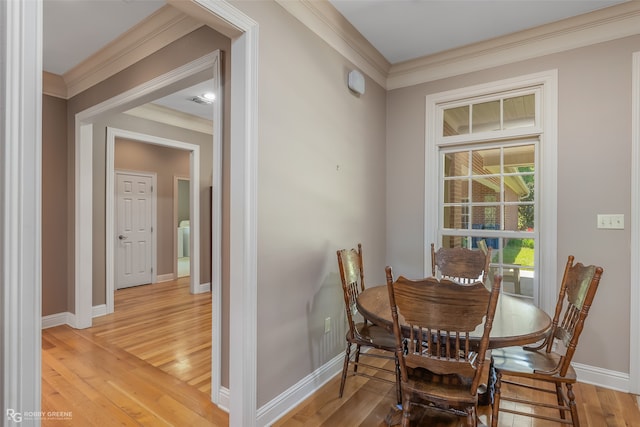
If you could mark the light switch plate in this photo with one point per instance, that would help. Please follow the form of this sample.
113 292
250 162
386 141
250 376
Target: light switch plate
611 221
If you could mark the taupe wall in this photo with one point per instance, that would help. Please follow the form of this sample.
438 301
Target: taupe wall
166 163
321 187
54 206
594 176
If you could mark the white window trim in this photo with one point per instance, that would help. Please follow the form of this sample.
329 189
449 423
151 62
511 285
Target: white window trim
547 257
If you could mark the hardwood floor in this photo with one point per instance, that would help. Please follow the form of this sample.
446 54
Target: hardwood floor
148 364
366 403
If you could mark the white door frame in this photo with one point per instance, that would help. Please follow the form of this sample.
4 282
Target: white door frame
243 181
634 308
22 19
194 171
111 234
243 32
84 177
21 207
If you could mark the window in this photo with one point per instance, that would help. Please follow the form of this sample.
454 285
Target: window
513 112
485 167
489 195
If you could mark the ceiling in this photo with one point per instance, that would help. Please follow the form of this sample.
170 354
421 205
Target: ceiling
400 30
71 33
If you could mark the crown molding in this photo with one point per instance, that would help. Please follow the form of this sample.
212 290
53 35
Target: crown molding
171 117
603 25
164 26
596 27
329 24
53 85
169 24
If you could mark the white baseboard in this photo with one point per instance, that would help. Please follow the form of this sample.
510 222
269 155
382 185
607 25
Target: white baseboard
223 399
602 377
165 277
57 319
204 287
285 402
99 310
67 318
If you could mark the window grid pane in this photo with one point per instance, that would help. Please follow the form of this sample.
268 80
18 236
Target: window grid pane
496 201
494 115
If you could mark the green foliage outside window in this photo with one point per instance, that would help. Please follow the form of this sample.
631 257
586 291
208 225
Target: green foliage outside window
525 212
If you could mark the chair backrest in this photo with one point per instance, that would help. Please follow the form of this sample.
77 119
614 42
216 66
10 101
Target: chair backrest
461 265
579 285
440 315
352 277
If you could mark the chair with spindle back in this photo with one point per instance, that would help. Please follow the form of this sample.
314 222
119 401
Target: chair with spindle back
439 365
460 265
362 334
550 362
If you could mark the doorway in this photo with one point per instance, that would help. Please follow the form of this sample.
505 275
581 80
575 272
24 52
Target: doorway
243 165
84 197
242 186
194 207
183 230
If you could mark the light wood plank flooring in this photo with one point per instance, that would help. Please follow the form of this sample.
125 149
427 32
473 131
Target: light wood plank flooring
366 403
147 364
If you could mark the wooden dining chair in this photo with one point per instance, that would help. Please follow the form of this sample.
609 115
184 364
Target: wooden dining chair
363 335
439 366
549 362
460 265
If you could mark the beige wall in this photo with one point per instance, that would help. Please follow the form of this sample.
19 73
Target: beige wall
166 163
54 206
321 187
594 176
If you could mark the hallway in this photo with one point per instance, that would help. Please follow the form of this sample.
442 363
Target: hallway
149 363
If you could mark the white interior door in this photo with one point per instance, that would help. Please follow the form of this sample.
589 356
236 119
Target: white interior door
133 229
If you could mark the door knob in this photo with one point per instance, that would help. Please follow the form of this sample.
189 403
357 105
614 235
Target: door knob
122 237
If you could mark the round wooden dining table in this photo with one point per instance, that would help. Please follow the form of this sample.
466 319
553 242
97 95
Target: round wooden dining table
516 322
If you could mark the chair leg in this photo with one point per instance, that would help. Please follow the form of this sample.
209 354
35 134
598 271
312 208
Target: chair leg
398 383
496 400
472 419
572 406
406 414
345 367
560 397
356 358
